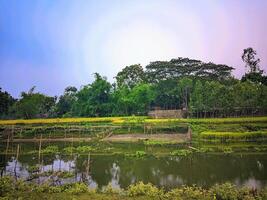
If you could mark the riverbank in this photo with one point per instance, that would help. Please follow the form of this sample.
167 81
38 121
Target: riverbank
17 189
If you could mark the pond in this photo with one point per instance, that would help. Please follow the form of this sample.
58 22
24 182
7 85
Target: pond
119 170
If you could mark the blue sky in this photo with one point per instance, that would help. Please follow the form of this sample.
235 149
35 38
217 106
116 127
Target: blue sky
52 44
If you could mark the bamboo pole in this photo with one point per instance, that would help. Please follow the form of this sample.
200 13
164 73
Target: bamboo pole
17 157
40 148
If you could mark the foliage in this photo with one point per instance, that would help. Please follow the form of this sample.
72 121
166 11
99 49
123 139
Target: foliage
141 189
66 101
202 89
130 76
227 136
11 189
84 149
140 154
50 149
137 119
182 67
188 193
109 189
225 191
94 99
33 105
77 188
181 152
6 101
249 57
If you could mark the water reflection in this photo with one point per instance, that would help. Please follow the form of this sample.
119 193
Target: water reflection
168 172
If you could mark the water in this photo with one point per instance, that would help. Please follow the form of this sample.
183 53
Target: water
163 171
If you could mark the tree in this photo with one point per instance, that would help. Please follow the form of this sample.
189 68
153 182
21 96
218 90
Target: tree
167 94
66 101
94 99
130 76
142 95
6 101
185 67
249 57
255 74
33 105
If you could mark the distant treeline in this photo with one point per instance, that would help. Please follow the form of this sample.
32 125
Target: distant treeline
204 89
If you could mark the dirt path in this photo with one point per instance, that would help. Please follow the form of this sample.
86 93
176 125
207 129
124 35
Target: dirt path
177 138
52 140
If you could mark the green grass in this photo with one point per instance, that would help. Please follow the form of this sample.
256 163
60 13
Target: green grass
228 136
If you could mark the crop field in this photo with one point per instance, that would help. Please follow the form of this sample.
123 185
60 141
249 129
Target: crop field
134 119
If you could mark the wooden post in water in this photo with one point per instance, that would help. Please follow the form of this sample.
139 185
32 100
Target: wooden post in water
40 148
88 165
189 134
7 145
17 157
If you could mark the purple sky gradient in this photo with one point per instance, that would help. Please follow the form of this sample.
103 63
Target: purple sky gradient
53 44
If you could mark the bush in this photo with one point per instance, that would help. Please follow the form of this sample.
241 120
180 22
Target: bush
141 189
226 191
111 190
6 185
188 193
77 188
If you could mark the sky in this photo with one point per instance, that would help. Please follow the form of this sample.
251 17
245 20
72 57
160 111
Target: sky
52 44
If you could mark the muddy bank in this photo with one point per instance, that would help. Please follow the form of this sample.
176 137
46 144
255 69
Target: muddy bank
175 138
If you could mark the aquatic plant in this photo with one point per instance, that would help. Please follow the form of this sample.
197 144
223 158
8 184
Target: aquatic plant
84 149
50 149
69 150
181 152
140 154
157 142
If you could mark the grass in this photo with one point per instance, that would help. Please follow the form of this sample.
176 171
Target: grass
228 136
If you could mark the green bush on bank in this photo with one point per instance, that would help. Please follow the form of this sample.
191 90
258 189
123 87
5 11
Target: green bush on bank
11 189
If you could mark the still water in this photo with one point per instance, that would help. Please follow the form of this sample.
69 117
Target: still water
164 171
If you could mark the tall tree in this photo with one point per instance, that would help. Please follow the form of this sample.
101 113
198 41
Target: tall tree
94 99
130 76
33 105
6 101
255 74
250 59
182 67
66 101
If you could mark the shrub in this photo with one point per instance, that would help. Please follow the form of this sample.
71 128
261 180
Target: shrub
226 191
77 188
111 190
141 189
6 185
188 193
